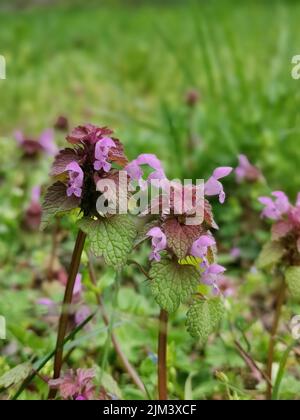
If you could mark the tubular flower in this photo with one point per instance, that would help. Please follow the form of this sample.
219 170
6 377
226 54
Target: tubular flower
101 154
286 226
159 242
201 245
75 179
275 209
214 187
246 171
211 276
136 173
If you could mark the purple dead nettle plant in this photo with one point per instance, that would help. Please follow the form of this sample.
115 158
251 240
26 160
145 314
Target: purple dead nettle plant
95 155
183 257
95 177
281 257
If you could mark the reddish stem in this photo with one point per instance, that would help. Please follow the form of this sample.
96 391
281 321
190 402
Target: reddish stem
125 362
162 355
63 321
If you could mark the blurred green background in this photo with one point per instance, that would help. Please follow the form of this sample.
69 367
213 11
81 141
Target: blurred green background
130 65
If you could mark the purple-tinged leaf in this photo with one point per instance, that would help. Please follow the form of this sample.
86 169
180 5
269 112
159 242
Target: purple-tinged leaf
56 201
180 237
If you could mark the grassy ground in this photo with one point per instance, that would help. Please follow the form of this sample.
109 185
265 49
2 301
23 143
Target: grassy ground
125 65
129 66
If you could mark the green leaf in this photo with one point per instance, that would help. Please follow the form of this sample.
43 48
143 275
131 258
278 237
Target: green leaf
172 283
292 277
203 318
15 375
111 238
110 385
56 201
270 255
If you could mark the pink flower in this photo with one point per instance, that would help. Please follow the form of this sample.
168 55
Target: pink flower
75 179
82 314
246 171
275 209
46 302
159 242
46 140
76 385
201 245
214 187
101 154
211 276
78 285
33 213
32 147
88 133
235 253
36 194
136 173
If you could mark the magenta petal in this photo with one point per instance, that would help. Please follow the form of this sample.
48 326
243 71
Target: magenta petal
216 269
266 201
213 187
159 242
36 194
47 142
19 136
222 172
206 240
46 302
149 159
107 142
134 171
77 285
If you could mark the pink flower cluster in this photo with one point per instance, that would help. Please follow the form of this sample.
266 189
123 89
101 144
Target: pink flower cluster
91 158
285 215
76 385
202 245
31 147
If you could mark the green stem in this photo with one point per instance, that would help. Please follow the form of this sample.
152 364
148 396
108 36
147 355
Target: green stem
272 344
125 362
280 374
40 364
63 321
162 355
110 325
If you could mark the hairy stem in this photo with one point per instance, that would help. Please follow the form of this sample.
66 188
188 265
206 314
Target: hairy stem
162 355
279 303
125 362
63 321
